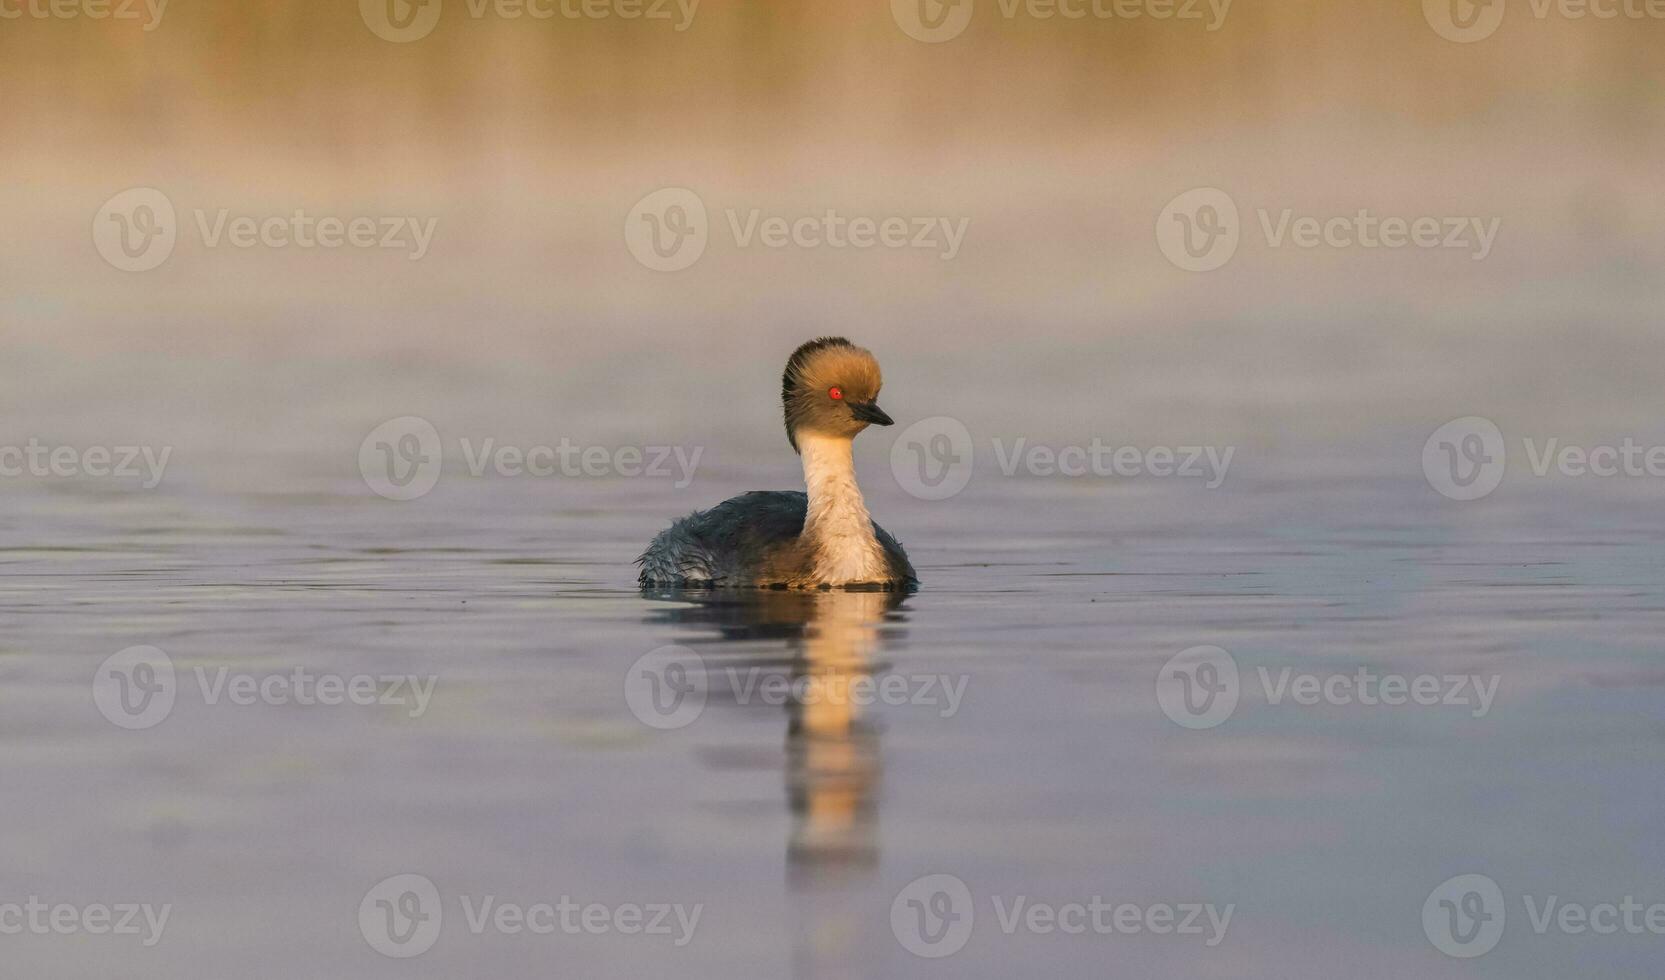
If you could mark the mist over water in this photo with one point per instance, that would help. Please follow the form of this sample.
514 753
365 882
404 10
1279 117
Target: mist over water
1057 144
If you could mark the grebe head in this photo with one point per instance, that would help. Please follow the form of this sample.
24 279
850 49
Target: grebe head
831 388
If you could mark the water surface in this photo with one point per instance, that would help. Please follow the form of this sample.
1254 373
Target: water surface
1056 775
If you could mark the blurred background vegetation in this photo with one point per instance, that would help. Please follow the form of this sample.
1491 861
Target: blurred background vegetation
1060 141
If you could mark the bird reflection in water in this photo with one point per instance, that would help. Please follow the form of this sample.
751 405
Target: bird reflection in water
831 645
820 644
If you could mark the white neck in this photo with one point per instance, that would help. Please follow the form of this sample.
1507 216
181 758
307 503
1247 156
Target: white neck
837 525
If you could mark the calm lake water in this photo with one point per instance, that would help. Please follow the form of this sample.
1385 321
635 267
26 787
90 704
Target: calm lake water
1119 732
1020 745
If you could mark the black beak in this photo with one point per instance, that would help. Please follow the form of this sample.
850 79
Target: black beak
870 412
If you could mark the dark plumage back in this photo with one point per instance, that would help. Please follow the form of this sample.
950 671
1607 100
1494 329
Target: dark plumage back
752 539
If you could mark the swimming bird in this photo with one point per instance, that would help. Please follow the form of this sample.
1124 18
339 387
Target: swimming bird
789 539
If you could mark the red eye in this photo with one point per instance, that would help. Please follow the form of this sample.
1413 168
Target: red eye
836 393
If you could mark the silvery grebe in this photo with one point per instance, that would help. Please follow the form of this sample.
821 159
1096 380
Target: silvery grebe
786 538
